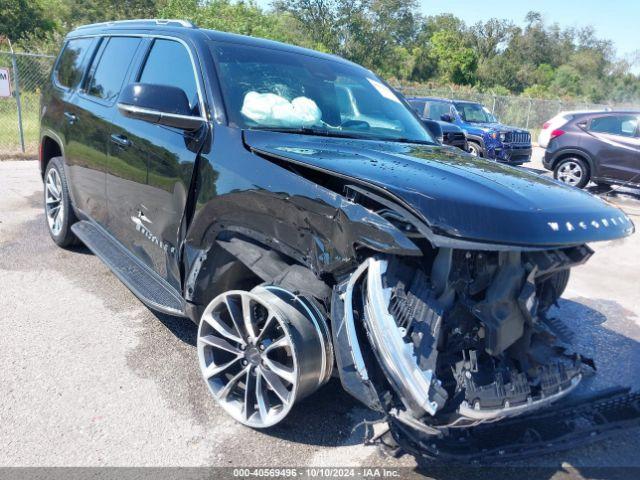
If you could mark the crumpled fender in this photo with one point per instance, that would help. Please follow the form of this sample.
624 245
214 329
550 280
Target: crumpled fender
256 199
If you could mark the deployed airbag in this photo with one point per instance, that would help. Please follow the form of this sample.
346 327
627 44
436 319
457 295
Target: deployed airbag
274 110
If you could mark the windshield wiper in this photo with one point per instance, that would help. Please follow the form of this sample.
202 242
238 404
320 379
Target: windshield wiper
409 140
323 132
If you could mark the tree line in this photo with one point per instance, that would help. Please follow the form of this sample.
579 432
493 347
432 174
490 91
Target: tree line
391 37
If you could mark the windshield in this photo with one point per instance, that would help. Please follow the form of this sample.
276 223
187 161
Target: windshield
276 90
475 113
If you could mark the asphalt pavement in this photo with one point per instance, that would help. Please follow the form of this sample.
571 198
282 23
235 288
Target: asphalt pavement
91 377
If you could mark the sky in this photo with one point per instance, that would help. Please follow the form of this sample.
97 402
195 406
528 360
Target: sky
616 20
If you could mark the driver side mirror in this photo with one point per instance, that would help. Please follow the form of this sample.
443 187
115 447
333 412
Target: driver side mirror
159 104
434 129
445 117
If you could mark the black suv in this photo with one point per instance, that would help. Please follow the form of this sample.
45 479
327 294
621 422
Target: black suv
451 134
603 147
295 209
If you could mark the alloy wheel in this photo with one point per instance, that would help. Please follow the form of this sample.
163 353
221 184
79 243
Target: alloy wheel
570 173
54 202
248 358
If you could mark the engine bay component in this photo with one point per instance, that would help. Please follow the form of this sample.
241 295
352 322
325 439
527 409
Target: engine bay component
415 385
464 340
262 351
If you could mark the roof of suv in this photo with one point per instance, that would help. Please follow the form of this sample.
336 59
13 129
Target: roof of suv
186 28
605 112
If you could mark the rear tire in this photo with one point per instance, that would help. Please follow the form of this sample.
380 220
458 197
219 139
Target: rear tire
58 211
573 171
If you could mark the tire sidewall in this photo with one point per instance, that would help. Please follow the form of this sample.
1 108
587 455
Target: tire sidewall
66 236
476 147
583 165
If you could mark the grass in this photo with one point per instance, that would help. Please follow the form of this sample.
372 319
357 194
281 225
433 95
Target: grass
9 134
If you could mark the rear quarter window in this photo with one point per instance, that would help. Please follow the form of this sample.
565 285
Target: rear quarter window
72 61
624 125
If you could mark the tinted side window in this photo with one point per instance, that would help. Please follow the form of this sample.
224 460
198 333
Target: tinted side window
69 68
108 76
624 125
168 63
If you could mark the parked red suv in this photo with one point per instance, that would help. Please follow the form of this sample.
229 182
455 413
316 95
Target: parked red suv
603 147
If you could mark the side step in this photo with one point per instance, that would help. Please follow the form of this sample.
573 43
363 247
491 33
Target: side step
150 288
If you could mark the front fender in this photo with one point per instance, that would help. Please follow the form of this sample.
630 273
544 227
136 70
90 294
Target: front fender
248 195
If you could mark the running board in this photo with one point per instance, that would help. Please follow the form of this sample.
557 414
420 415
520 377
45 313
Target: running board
554 429
152 290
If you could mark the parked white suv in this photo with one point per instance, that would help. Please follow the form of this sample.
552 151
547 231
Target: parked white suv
556 122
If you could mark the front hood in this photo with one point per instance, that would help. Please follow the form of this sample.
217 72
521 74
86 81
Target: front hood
456 194
496 127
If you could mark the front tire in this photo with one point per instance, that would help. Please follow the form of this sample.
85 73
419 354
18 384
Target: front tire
57 204
572 171
475 150
262 351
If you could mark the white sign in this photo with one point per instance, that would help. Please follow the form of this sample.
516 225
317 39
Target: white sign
5 83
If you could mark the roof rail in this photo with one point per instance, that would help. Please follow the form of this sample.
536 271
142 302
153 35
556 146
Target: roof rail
144 21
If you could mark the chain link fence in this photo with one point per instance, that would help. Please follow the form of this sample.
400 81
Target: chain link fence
19 113
522 112
29 72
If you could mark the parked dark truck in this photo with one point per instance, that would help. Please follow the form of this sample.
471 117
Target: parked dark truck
288 203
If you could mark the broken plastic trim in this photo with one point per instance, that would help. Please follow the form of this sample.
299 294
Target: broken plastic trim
395 355
469 411
349 322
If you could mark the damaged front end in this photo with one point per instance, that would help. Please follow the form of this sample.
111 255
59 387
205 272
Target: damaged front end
448 343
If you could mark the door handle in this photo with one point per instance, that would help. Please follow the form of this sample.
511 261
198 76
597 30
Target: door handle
71 118
121 141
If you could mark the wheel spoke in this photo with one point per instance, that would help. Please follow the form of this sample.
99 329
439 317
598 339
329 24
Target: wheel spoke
213 370
276 385
249 393
283 372
266 326
54 211
220 343
248 317
224 391
222 329
261 398
53 187
53 192
57 223
280 343
235 313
